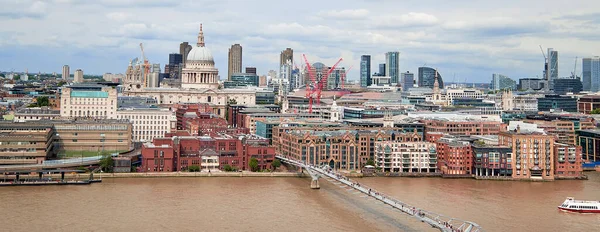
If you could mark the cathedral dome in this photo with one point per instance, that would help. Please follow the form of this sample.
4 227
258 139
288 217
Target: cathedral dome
200 54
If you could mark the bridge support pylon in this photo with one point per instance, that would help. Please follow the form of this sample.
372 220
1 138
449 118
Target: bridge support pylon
314 184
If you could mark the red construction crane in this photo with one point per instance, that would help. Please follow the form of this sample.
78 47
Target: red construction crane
146 66
344 76
324 80
309 88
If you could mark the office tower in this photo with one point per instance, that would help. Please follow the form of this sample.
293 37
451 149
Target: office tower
175 58
285 73
551 67
381 70
286 55
427 77
392 66
500 81
235 60
78 77
365 71
65 72
184 50
407 80
567 85
591 74
251 70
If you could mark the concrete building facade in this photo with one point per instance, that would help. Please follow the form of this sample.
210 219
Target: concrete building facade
234 60
88 101
406 157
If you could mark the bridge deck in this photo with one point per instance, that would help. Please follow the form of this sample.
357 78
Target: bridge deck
437 220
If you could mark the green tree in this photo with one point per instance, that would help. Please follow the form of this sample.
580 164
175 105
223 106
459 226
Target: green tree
107 164
227 168
595 111
61 83
42 101
16 77
371 162
194 168
275 164
253 164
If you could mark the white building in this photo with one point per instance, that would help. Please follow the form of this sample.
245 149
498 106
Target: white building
149 123
88 101
109 77
36 114
416 157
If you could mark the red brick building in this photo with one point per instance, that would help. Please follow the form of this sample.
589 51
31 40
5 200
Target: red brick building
182 109
567 161
181 150
455 157
588 103
460 128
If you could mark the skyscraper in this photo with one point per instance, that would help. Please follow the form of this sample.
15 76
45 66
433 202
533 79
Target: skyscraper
381 70
65 72
407 79
392 66
286 55
365 71
78 77
184 50
427 77
591 74
500 81
235 60
175 58
552 67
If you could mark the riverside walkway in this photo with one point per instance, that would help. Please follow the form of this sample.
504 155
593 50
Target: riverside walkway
443 223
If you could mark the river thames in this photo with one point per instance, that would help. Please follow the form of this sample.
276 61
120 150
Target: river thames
288 204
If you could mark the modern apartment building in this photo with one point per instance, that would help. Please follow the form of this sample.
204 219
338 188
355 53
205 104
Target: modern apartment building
392 66
406 157
66 72
591 74
567 161
78 76
455 157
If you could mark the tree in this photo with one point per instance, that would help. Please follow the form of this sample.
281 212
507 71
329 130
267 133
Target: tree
275 164
61 83
16 77
107 164
371 162
595 111
194 168
228 168
42 101
253 164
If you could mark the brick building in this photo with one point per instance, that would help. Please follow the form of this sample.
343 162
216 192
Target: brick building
348 149
491 160
587 103
532 151
567 161
460 127
207 152
182 109
455 156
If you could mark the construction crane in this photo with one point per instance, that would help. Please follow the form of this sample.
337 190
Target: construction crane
146 66
324 80
344 76
309 84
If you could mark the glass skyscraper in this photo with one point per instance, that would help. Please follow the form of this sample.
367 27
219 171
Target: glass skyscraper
552 67
365 71
407 80
500 81
392 66
427 77
591 74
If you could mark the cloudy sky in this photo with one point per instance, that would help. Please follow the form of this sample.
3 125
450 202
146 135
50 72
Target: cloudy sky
465 40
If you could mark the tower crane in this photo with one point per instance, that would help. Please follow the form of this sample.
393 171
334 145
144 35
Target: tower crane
574 73
324 80
146 67
310 85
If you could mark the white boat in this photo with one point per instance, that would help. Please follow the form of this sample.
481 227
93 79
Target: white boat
579 206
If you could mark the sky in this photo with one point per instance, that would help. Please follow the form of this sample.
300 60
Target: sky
464 40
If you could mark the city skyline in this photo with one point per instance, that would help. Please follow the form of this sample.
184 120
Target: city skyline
471 43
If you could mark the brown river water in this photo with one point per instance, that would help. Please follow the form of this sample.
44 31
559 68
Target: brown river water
288 204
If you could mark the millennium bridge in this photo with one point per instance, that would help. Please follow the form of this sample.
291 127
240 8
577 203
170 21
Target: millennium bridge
441 222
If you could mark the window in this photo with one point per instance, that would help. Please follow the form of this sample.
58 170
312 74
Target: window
74 140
